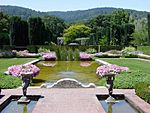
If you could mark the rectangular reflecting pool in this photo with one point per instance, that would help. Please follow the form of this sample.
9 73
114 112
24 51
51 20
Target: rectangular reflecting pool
51 71
11 105
121 105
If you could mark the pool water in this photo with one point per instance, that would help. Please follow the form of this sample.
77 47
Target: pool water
51 71
14 107
122 106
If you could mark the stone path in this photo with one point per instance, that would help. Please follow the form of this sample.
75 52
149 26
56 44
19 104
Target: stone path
73 100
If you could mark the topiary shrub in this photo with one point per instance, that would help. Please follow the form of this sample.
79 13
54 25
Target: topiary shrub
143 91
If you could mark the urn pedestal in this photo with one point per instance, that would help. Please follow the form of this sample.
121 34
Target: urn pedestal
110 79
26 78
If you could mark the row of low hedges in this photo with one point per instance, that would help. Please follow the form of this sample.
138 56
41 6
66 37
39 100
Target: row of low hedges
143 91
34 48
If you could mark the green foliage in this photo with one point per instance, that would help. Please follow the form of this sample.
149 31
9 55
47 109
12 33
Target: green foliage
38 32
120 17
140 36
127 50
18 31
113 29
55 27
107 48
4 29
76 31
8 82
139 72
67 54
143 91
76 54
72 16
42 49
91 51
32 48
7 54
148 18
144 49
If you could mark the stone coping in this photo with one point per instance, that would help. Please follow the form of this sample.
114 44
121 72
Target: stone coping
74 100
67 83
101 62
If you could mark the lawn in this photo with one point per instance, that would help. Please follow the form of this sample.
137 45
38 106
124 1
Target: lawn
139 72
10 81
6 62
144 49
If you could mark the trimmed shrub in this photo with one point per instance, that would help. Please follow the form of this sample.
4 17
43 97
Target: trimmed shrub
91 51
143 91
7 54
107 48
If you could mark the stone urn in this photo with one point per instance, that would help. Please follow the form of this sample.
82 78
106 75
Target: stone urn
26 78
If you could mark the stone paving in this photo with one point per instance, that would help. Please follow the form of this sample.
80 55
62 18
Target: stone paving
73 100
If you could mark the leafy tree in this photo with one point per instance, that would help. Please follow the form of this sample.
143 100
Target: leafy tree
100 28
149 29
37 32
120 17
140 36
18 31
4 29
76 31
121 28
55 27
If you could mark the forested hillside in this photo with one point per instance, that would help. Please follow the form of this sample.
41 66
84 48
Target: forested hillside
84 15
69 16
24 13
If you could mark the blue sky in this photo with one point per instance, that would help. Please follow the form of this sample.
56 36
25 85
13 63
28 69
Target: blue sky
67 5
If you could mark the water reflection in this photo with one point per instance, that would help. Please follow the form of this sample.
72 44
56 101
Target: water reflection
48 64
85 63
81 71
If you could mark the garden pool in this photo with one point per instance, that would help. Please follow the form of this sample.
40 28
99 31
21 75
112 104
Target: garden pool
51 71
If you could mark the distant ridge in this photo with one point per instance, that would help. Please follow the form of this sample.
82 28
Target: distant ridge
68 16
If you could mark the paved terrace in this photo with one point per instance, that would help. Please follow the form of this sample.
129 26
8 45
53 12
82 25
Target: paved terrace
73 100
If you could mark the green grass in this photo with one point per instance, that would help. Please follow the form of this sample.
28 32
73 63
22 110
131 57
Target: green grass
7 81
139 72
144 49
6 62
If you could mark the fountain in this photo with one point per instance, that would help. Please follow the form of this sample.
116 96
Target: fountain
122 105
20 103
113 103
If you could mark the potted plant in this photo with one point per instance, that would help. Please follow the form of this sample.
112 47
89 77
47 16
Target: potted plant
109 72
26 73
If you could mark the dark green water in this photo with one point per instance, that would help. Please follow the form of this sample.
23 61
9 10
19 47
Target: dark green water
51 71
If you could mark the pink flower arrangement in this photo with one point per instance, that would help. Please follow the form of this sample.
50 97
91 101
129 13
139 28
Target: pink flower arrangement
17 70
49 56
85 56
107 70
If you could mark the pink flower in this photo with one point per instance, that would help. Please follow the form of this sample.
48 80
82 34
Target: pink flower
16 70
110 69
49 56
85 56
